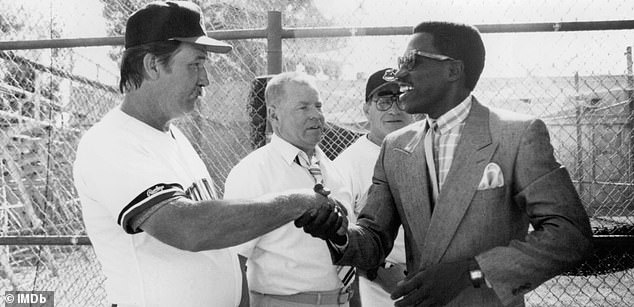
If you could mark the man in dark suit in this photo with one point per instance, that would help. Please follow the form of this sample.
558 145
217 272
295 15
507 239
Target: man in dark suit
465 184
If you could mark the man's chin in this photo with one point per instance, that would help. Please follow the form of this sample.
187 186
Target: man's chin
412 104
195 103
313 137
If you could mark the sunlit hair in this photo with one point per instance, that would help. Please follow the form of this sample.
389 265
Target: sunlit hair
276 87
132 71
459 41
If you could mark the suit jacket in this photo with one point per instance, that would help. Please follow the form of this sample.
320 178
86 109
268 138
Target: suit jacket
491 225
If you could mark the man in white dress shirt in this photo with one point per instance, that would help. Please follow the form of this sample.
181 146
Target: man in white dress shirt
356 162
288 267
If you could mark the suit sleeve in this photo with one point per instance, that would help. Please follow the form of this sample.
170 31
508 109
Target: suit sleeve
561 236
372 238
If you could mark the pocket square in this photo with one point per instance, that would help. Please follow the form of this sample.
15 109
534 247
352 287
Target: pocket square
492 177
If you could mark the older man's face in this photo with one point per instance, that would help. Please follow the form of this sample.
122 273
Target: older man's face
181 81
299 117
382 121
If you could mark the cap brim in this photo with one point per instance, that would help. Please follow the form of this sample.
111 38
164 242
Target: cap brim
374 91
212 45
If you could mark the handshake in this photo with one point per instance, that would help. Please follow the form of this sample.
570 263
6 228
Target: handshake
329 222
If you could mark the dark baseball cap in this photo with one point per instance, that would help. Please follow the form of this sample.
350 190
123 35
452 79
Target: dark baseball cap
172 20
376 82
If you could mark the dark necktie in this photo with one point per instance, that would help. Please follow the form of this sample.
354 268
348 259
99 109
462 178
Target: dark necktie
430 159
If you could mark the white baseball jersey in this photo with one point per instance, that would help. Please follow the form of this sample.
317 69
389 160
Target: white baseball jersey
124 167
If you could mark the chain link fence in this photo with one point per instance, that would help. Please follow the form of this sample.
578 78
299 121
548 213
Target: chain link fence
579 82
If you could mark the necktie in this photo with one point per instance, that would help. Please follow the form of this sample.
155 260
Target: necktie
345 273
429 158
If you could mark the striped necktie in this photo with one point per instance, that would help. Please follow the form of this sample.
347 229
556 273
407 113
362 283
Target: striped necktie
345 273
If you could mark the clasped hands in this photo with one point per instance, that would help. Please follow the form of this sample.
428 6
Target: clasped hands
328 222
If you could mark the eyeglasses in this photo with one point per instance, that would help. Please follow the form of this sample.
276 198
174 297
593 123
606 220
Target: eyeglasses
408 60
384 102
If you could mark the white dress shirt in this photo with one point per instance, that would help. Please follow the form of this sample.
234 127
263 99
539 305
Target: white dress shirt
286 260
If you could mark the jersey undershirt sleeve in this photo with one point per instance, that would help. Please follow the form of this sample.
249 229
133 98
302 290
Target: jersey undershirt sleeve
126 179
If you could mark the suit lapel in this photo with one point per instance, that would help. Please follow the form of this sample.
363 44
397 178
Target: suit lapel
473 152
415 186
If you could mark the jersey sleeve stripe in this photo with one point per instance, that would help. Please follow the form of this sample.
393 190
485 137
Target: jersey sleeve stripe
148 198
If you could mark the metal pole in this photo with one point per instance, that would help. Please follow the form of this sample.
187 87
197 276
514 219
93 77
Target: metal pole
9 56
274 43
579 172
316 32
118 40
630 72
45 240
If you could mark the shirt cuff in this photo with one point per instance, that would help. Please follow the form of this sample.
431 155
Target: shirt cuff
339 248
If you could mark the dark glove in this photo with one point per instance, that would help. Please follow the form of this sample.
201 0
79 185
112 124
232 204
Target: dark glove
436 285
370 274
310 215
328 223
324 224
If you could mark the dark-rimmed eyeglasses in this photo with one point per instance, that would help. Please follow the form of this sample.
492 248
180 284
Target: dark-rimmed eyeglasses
408 60
384 102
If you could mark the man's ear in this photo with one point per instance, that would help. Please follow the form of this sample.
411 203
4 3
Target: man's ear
366 108
150 65
273 118
456 69
271 113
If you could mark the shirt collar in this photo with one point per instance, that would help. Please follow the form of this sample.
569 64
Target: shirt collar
288 151
453 117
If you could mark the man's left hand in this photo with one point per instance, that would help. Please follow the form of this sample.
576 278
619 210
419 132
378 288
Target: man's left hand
436 285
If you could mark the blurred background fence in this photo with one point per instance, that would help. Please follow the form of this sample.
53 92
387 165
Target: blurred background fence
569 62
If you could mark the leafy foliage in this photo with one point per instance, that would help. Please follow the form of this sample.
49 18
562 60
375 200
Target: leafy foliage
248 58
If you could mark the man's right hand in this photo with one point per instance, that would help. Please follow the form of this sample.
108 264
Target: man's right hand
389 277
327 223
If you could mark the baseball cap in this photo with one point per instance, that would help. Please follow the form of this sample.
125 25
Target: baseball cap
376 82
171 20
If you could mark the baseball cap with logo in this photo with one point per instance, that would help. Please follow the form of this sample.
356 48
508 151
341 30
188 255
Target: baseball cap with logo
172 20
376 82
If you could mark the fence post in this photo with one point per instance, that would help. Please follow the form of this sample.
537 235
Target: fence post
259 125
274 43
579 173
630 104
